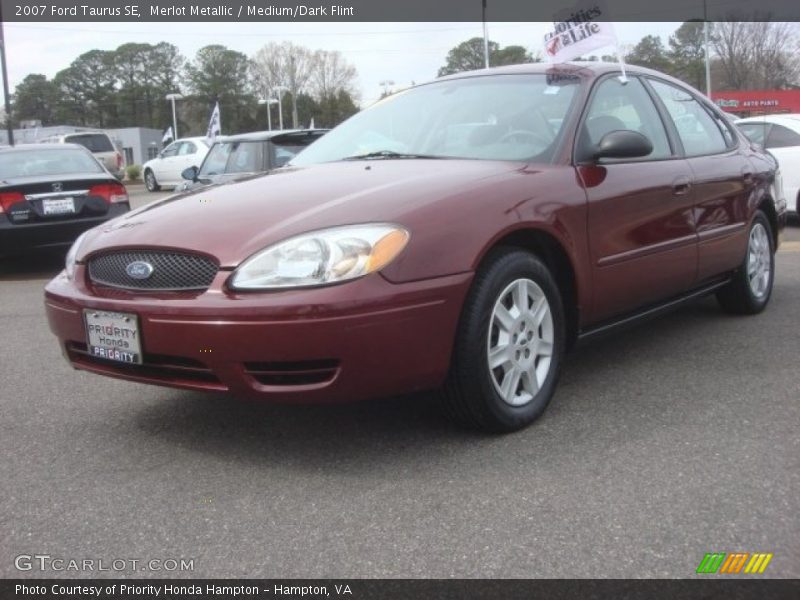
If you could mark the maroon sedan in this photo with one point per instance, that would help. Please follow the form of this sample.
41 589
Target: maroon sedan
460 236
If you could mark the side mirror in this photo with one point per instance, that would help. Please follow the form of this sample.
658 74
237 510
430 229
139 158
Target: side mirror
190 173
623 143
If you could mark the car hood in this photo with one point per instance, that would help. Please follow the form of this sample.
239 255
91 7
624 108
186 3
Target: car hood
231 222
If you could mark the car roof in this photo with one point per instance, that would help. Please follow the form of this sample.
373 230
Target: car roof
198 138
589 68
42 146
257 136
84 133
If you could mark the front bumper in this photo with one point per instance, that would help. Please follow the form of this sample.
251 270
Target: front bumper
363 339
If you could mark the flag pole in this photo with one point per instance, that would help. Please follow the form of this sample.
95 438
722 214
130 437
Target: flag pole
624 77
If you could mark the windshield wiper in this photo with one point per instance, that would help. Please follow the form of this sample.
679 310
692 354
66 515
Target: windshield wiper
390 154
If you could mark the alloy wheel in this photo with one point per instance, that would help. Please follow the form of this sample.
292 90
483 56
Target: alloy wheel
520 342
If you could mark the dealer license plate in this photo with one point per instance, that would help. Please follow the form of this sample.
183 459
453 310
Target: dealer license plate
113 336
58 206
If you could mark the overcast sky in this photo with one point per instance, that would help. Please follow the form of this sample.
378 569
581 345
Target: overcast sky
400 52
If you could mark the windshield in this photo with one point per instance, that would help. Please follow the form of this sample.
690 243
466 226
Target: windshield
499 117
38 163
754 131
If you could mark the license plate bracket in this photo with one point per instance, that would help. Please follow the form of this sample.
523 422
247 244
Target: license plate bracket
58 206
113 336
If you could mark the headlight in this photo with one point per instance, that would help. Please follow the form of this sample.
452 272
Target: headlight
322 257
73 253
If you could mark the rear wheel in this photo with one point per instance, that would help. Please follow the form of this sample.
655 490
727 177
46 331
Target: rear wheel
509 346
150 181
751 286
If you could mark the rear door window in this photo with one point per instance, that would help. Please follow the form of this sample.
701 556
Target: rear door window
697 129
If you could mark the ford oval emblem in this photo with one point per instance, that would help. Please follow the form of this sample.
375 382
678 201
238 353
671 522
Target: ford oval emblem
139 269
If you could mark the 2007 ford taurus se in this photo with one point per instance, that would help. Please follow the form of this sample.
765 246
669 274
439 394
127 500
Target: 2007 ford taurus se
460 235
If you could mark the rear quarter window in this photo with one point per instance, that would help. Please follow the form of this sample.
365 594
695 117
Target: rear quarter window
782 137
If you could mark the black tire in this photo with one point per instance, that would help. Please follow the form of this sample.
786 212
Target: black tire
738 296
470 395
150 181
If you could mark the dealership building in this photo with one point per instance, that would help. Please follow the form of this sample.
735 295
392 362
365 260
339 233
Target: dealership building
138 144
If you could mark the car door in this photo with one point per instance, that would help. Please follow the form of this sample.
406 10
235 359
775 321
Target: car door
188 158
784 144
166 161
642 239
723 178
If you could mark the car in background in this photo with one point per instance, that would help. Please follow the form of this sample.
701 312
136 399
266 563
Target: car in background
236 157
100 144
449 237
51 193
165 169
780 135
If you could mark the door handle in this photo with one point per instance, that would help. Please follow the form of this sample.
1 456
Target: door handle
681 186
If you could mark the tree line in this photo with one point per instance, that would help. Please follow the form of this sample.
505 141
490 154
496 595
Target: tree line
743 55
127 87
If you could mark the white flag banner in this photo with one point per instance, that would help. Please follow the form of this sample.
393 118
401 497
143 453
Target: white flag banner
571 39
214 124
168 135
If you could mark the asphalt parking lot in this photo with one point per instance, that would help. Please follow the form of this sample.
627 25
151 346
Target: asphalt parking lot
674 439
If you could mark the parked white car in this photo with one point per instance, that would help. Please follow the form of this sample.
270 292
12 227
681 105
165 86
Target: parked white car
780 134
165 169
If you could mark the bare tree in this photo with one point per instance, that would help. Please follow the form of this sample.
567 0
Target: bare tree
267 69
757 55
284 64
331 74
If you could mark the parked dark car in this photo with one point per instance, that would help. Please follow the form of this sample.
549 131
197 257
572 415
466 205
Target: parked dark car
236 157
461 236
51 193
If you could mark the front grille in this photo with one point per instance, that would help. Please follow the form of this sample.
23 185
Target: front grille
171 270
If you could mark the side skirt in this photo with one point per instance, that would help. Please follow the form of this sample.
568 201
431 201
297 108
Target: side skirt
649 312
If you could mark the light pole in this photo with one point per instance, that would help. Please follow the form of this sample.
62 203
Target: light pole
386 84
280 89
6 96
172 98
269 102
705 44
485 39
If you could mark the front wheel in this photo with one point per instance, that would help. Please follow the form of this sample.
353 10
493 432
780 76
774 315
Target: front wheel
509 346
751 286
150 181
